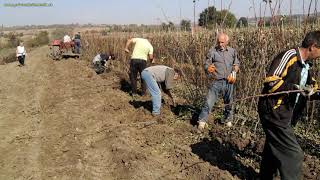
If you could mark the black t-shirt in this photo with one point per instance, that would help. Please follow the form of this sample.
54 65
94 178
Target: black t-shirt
77 36
104 58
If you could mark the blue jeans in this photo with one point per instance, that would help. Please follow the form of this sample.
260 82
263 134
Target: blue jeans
216 88
154 90
77 44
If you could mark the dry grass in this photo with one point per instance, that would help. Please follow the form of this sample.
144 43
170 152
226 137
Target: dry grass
256 48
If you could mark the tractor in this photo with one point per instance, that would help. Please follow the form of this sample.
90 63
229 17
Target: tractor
59 50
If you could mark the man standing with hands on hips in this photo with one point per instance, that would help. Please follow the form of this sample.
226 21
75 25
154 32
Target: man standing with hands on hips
221 66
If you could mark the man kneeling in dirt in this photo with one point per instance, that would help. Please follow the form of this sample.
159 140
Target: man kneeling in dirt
166 77
99 62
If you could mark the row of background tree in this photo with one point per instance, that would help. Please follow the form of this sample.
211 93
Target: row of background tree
209 18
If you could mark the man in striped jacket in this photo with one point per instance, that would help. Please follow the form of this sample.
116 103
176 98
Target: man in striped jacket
289 70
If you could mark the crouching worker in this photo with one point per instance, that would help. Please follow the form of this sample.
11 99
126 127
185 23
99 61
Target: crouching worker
99 62
156 76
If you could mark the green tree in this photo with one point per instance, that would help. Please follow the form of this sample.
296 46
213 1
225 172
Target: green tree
210 16
58 33
185 25
13 40
171 26
242 22
164 26
226 18
311 20
42 38
168 27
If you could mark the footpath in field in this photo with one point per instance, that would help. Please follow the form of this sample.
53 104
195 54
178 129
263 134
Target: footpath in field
59 120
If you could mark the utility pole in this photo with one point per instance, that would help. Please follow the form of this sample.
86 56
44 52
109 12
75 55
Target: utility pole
180 11
279 8
290 8
214 5
260 15
303 6
315 8
304 15
316 11
194 14
207 13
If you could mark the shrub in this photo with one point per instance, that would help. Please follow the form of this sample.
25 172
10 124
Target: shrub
40 39
60 32
10 58
13 40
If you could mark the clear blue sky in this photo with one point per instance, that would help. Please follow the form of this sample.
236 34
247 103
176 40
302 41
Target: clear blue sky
126 11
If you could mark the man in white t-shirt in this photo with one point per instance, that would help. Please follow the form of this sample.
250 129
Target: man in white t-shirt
142 51
66 39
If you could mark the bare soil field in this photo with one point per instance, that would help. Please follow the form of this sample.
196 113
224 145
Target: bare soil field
59 120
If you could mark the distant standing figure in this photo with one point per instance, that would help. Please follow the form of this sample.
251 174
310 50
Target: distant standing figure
99 62
142 51
66 39
21 53
77 42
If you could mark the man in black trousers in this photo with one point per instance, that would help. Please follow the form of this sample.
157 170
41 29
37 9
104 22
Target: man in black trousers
142 52
290 70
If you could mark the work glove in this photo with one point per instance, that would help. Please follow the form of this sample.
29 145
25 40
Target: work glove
307 90
211 69
232 77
